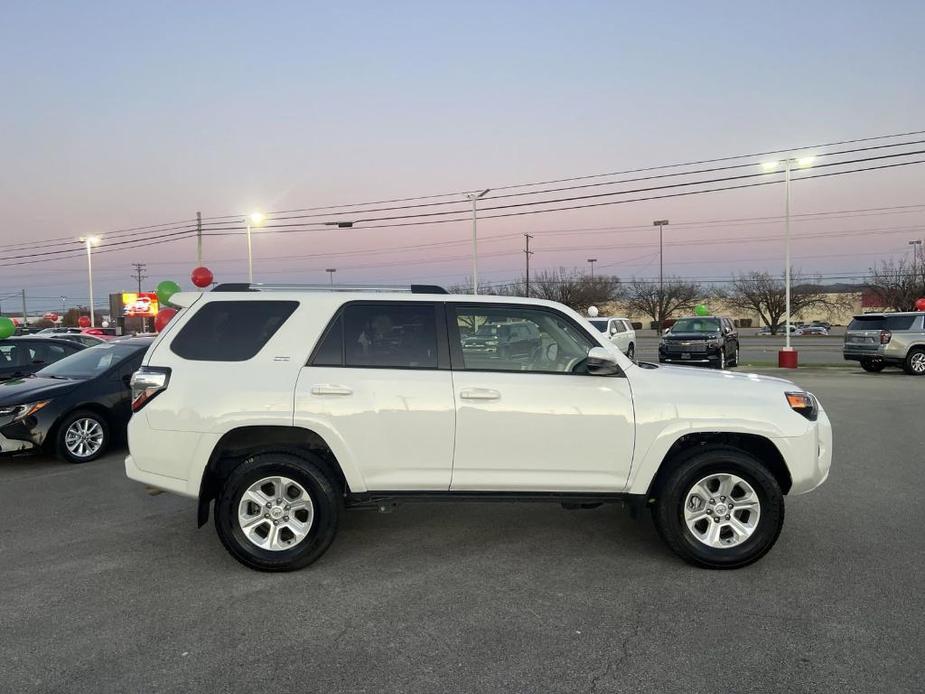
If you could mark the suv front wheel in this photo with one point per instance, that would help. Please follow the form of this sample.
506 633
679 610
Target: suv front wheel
720 508
277 512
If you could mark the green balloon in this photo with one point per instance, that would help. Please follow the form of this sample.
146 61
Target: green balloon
702 310
7 327
165 290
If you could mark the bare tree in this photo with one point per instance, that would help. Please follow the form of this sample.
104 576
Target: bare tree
898 284
644 297
764 294
569 287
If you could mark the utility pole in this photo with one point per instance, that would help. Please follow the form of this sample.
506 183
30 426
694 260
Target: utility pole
527 254
198 240
661 271
915 244
139 273
591 262
25 321
331 271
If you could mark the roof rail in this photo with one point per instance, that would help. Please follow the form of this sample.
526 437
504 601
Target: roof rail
245 287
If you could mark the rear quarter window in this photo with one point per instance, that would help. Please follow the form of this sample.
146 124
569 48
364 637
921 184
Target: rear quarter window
230 330
882 323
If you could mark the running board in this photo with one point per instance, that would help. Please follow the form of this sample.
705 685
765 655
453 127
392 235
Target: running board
384 499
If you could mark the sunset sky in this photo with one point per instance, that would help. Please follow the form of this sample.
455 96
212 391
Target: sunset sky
128 114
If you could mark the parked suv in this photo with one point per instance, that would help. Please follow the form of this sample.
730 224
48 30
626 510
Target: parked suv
619 331
878 340
709 340
287 407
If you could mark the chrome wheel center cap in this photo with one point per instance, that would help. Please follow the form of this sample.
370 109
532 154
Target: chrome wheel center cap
276 512
721 509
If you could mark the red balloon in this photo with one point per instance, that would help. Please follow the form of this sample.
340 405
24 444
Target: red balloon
163 317
920 304
51 315
84 321
201 277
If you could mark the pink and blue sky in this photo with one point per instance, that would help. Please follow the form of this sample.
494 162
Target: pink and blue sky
125 114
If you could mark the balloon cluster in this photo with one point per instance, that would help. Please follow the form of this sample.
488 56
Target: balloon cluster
201 277
920 304
701 310
7 327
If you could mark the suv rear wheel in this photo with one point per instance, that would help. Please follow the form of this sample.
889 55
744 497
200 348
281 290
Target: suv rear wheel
277 512
872 365
720 508
915 362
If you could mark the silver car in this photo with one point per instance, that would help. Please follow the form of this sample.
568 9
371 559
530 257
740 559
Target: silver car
878 340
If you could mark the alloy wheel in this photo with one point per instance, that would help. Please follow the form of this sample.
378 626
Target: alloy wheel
917 362
84 437
275 513
722 510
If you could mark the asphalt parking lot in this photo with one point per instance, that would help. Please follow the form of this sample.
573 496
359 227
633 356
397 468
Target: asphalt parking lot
106 588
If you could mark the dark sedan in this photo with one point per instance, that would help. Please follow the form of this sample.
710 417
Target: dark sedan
21 356
76 407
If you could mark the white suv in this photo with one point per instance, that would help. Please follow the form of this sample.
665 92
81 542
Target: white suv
288 406
619 331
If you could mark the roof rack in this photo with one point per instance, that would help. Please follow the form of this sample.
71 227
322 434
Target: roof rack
245 287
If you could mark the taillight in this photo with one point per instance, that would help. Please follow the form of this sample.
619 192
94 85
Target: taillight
885 337
804 403
147 382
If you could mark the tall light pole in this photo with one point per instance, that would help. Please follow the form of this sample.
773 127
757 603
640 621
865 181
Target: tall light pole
591 262
63 307
917 243
474 197
256 219
331 271
801 162
660 223
90 242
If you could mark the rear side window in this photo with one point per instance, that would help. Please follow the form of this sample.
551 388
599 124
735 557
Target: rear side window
381 335
882 323
230 330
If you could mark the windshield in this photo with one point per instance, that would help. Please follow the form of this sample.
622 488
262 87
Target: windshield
696 325
90 362
487 330
600 325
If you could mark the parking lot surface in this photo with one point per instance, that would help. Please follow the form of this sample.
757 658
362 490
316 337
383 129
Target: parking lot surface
106 588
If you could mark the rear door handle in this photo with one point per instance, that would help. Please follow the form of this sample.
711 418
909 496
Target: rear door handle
329 389
480 394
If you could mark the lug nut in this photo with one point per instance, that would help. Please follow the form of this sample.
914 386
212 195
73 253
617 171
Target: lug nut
727 517
716 519
287 507
269 504
712 501
275 522
266 515
285 518
279 501
722 498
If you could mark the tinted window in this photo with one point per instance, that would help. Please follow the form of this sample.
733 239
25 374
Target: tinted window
882 323
395 335
91 362
599 324
552 344
331 350
618 326
230 330
696 325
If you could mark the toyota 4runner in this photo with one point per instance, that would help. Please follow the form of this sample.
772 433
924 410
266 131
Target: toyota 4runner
282 407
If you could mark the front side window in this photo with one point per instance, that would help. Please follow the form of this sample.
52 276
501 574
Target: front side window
90 362
510 338
230 330
618 326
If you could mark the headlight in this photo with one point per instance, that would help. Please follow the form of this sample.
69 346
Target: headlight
714 343
18 412
804 403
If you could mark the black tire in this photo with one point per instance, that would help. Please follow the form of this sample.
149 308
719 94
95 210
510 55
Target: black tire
61 449
873 365
670 497
735 359
720 362
631 351
915 362
326 500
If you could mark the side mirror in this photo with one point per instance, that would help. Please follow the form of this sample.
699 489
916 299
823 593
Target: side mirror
601 362
666 331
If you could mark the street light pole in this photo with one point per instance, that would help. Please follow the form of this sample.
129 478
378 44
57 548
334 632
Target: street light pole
914 244
474 197
660 223
89 242
331 271
256 218
787 253
591 262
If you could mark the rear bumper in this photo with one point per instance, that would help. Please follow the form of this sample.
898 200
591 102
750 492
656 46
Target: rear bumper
855 355
168 484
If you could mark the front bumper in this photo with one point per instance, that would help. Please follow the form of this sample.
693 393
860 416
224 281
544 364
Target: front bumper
29 432
809 456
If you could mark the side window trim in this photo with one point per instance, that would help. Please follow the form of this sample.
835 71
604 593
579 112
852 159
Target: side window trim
456 354
443 350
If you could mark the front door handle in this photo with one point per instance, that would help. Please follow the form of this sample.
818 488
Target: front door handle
330 389
480 394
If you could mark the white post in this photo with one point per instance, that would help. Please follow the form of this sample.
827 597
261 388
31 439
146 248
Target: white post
787 252
90 275
250 258
475 246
